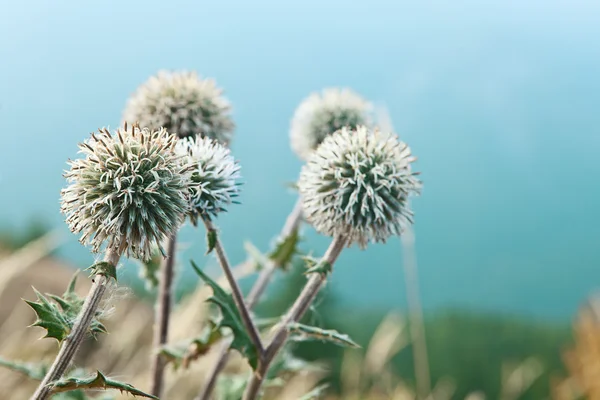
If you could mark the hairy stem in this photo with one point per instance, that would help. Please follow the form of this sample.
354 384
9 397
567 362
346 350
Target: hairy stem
236 292
291 224
298 309
72 343
162 316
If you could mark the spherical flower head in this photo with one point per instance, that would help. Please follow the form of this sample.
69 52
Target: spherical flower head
130 190
321 114
182 103
213 184
357 183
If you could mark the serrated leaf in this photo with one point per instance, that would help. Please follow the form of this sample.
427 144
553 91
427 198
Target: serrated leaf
57 316
182 354
316 393
211 240
50 317
301 332
98 381
103 268
35 371
230 319
285 249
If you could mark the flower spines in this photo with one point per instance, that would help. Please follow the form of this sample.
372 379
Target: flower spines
357 183
184 104
130 190
321 114
214 180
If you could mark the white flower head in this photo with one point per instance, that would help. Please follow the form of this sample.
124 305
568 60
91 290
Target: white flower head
213 184
182 103
357 183
130 190
321 114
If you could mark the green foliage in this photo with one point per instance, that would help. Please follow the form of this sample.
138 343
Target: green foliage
211 240
149 270
285 249
182 354
315 266
97 381
57 317
35 371
230 319
316 393
301 332
103 268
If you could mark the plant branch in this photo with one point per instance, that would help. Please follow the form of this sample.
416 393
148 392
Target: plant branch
236 292
298 309
72 343
162 316
292 222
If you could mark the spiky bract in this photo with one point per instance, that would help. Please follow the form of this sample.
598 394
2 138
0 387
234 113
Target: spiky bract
213 184
130 190
357 183
184 104
321 114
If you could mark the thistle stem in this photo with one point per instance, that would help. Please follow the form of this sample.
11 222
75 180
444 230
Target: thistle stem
292 222
80 328
162 316
236 292
298 309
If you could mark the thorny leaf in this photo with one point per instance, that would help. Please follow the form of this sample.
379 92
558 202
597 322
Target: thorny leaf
211 240
35 371
230 319
98 381
316 393
285 249
315 266
301 332
58 317
103 268
182 354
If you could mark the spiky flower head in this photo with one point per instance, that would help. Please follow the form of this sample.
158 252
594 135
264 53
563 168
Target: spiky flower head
321 114
183 104
213 184
357 183
130 190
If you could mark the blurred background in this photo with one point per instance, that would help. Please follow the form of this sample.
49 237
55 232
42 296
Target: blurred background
498 100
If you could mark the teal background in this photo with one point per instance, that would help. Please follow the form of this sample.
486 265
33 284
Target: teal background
499 100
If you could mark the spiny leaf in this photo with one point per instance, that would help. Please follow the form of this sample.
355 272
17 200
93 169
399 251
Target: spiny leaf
230 319
57 317
183 354
285 249
98 381
211 240
316 393
302 332
50 317
315 266
103 268
35 371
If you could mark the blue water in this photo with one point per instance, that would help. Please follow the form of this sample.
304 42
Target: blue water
500 102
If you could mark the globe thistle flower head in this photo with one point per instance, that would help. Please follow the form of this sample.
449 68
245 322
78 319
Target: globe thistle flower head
129 191
182 103
213 184
357 183
321 114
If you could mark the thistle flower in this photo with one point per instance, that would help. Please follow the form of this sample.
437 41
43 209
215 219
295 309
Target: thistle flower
183 104
357 183
321 114
213 184
130 190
